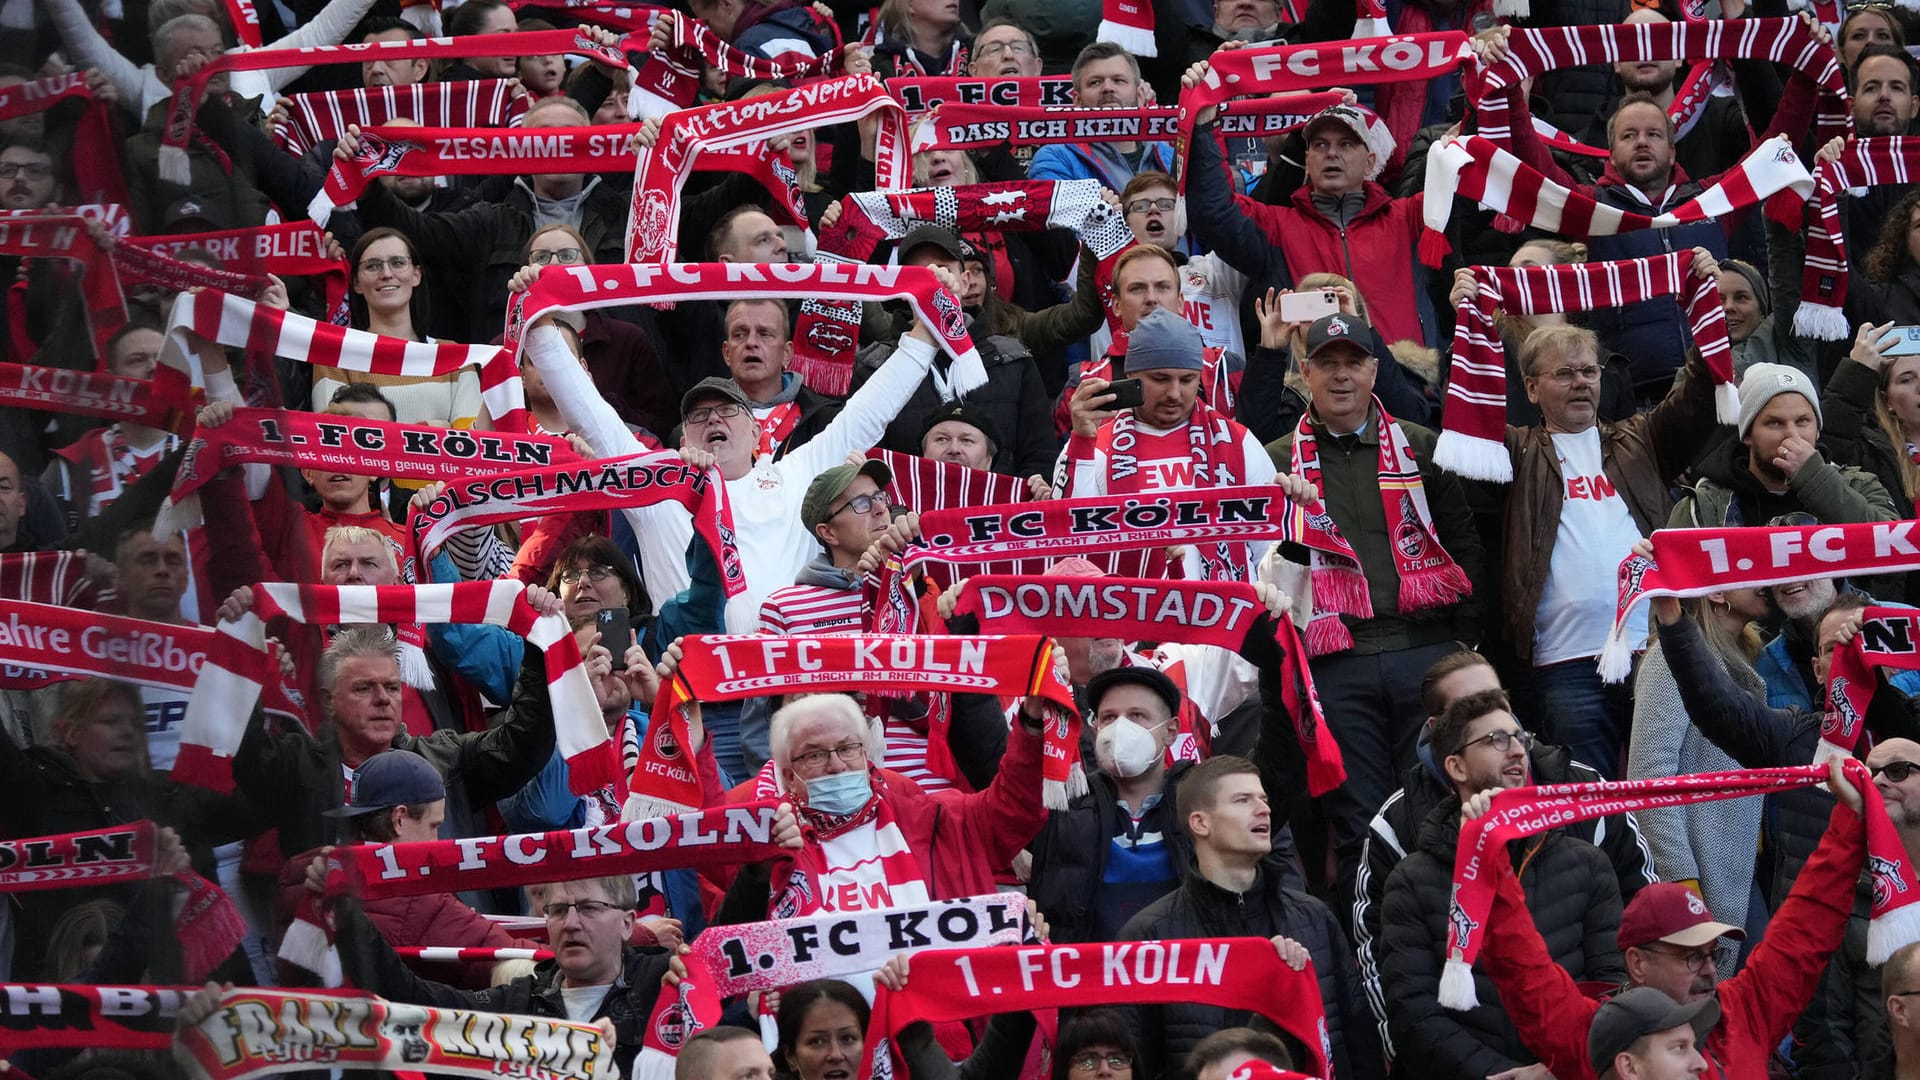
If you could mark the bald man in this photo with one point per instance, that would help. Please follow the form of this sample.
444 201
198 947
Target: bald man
1900 985
724 1053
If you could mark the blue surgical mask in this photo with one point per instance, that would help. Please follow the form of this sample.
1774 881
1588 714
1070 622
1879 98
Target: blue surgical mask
839 794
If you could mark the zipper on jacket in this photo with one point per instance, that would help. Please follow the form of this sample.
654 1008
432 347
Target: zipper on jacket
1346 251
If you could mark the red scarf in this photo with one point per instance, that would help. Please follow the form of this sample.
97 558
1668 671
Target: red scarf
924 485
780 953
723 668
38 1016
1429 578
1474 441
96 170
64 236
920 93
50 577
1695 562
845 868
619 17
1886 639
289 249
245 22
1218 613
985 126
1823 283
1517 813
669 80
775 171
1243 974
1056 527
1218 456
91 644
120 853
158 402
313 118
662 169
142 264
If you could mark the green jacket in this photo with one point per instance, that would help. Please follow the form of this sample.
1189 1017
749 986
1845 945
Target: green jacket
225 197
1727 493
1350 479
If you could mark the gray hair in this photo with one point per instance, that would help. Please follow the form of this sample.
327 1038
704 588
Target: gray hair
780 729
163 57
617 888
358 534
366 639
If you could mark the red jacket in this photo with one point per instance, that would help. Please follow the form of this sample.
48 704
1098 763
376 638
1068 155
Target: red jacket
1757 1007
1377 252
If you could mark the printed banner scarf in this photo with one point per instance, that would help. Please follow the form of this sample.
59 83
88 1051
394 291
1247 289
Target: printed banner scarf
241 323
1474 440
985 126
1243 974
64 236
733 668
96 169
1429 578
316 117
158 402
1518 813
919 93
1886 638
610 484
192 91
1477 169
1059 527
1300 68
262 1032
470 151
827 334
1223 614
39 1016
924 485
122 853
92 644
1695 562
1863 163
848 862
288 249
669 80
779 953
582 288
135 263
1217 456
661 171
223 697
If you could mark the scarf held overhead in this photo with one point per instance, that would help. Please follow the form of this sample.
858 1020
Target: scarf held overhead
669 79
64 236
93 644
96 857
289 249
1099 523
1862 163
1886 638
96 169
919 93
313 118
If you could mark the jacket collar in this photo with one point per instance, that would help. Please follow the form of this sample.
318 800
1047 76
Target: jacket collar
546 983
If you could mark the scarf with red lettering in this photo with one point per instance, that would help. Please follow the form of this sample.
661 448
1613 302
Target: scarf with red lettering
574 487
578 288
470 151
96 169
241 323
669 80
1223 614
313 118
134 262
1695 562
64 236
924 485
1242 974
288 249
661 170
1216 447
1474 440
827 334
1517 813
1301 68
39 1016
919 93
190 92
223 695
1885 639
733 668
1476 168
1863 163
50 577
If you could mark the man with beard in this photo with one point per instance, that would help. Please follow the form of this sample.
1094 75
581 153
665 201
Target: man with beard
1190 30
1884 83
27 177
1105 76
756 350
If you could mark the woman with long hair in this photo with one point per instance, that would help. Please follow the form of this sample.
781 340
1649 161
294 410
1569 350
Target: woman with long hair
386 296
1893 265
921 37
1867 24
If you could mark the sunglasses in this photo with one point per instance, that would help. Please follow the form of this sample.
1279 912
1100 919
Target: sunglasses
1897 771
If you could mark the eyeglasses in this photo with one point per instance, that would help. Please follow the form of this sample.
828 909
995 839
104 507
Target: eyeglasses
1115 1061
995 48
1501 741
850 753
1141 206
398 264
1695 960
566 256
1897 771
723 412
595 574
1567 376
11 169
588 908
862 504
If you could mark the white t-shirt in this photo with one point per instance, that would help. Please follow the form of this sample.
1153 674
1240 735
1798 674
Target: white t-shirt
1596 532
166 712
583 1001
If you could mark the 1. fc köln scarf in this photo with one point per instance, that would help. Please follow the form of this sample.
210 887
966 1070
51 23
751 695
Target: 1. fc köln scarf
95 645
924 485
1243 974
1223 614
289 249
96 170
779 953
1517 813
919 93
1058 527
312 119
733 668
669 80
1695 562
64 236
159 402
223 696
1474 441
1886 638
983 127
1823 282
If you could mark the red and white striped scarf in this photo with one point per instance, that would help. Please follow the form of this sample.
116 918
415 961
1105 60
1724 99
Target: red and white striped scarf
315 117
1429 578
623 18
919 93
1688 106
669 80
985 126
50 577
1474 441
1475 168
851 863
238 322
924 485
96 169
1886 638
1863 163
224 692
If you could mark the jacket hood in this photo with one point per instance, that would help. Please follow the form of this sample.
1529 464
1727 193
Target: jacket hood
1679 180
790 385
823 573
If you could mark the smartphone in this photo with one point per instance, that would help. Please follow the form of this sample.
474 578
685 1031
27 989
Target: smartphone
1906 341
1308 306
1127 394
616 631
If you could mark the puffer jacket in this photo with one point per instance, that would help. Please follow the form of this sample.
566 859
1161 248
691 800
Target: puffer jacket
1725 492
1846 1022
1014 400
1575 900
1201 909
780 28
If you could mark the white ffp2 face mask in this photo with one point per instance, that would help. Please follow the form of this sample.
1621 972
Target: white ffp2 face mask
1125 749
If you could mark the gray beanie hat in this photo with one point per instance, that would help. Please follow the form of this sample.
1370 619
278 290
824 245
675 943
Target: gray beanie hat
1755 281
1165 340
1764 382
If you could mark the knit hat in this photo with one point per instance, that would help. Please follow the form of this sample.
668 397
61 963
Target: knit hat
1755 281
971 415
1764 382
1165 340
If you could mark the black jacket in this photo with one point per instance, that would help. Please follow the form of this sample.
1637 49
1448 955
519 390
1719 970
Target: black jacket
1575 901
1201 909
1846 1022
1014 400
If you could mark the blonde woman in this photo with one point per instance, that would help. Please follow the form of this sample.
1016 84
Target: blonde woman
921 37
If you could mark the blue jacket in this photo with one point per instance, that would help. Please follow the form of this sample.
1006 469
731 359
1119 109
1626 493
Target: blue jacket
1787 688
1096 161
1652 334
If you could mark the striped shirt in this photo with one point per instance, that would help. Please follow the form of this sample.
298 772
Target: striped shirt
813 609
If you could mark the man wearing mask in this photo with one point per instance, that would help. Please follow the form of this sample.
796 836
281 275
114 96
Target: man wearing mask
1105 76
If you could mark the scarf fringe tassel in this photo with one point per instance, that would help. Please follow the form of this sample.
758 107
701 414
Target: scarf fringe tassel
174 167
1616 660
1438 587
1888 932
1057 794
1456 987
1135 39
1726 403
1326 634
305 946
1820 321
1481 459
1342 590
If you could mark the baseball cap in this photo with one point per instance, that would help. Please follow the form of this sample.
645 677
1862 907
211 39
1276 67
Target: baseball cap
1671 912
191 209
1138 675
921 235
392 778
971 415
1339 327
713 386
1764 382
1165 340
817 504
1638 1012
1362 122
